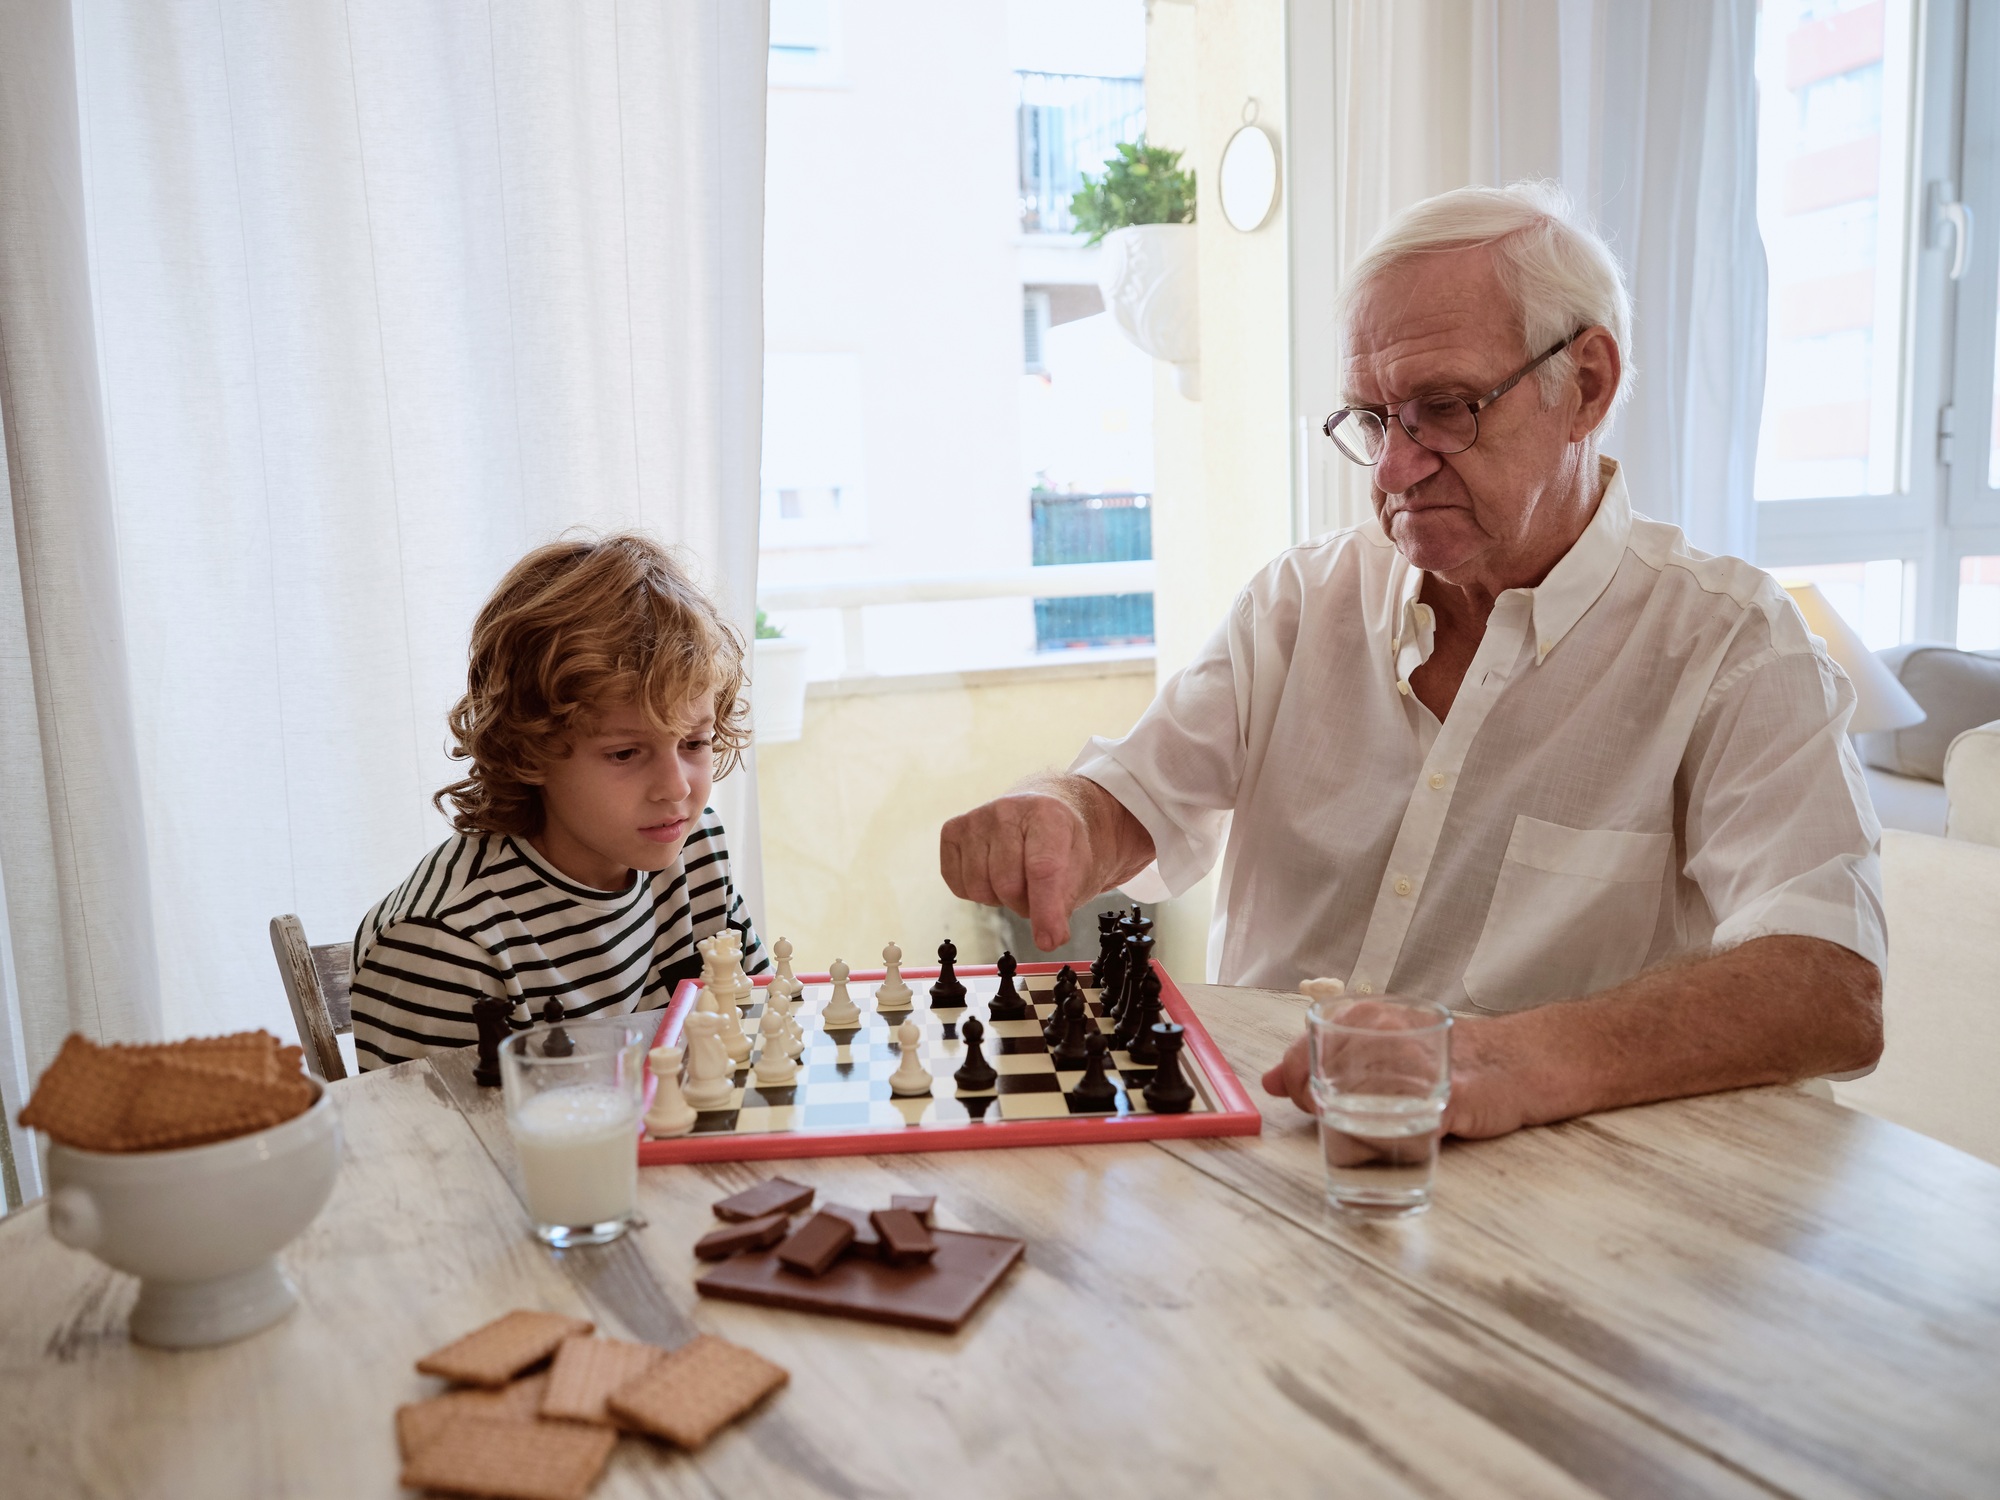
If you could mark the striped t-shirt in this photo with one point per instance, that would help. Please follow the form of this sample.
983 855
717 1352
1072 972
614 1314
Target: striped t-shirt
484 914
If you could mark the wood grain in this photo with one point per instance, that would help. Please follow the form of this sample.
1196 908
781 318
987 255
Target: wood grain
1810 1293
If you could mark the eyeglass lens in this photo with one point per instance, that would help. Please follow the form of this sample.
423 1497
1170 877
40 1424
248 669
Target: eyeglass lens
1443 424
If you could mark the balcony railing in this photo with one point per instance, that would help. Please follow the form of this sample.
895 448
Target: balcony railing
1092 529
1068 123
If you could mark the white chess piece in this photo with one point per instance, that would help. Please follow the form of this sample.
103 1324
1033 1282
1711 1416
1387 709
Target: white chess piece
784 982
892 993
775 1068
1322 989
841 1012
709 1082
671 1114
737 988
735 1040
909 1077
788 1008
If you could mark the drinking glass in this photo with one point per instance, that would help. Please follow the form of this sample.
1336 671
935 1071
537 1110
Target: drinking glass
1381 1076
574 1114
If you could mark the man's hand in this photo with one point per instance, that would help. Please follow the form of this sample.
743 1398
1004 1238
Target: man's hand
1487 1098
1042 851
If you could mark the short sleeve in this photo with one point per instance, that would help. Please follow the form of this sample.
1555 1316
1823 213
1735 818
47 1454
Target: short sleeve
1179 770
1780 834
414 985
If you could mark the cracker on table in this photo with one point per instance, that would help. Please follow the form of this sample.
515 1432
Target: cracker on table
494 1354
696 1391
586 1370
511 1460
417 1422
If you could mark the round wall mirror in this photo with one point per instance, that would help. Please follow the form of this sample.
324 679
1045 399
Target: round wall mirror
1249 178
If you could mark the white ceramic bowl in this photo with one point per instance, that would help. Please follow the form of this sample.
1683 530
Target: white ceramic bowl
200 1227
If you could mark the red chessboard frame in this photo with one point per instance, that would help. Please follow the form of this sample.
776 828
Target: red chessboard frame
1234 1112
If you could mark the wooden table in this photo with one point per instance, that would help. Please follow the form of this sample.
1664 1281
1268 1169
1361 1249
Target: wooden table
1751 1294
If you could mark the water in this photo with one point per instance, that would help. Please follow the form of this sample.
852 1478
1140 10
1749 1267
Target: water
1380 1150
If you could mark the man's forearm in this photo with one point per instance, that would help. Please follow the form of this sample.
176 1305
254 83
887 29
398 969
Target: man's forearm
1773 1010
1120 847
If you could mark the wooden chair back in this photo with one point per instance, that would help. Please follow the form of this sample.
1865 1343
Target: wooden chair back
317 982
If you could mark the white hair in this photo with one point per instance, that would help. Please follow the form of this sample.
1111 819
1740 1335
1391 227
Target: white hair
1559 273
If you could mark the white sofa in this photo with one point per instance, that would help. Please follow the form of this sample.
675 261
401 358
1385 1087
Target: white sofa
1940 1068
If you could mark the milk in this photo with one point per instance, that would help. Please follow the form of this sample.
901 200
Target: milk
579 1154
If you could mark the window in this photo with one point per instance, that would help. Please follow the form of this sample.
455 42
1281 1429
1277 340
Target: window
805 37
1979 604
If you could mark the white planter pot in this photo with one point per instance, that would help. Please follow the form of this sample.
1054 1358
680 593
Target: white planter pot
778 690
1148 277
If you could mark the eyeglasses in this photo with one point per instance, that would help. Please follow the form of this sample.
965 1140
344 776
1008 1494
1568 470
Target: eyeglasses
1439 422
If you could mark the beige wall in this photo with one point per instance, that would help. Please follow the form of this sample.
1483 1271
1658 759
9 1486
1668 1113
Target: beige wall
851 812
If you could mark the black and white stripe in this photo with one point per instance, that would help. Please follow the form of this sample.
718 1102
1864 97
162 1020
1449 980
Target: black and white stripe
484 914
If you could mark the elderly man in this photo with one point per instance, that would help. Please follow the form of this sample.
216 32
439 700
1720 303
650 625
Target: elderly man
1511 744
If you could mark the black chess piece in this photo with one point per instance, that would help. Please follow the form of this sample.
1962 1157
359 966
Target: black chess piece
1107 925
947 993
1138 961
557 1042
975 1073
1079 1026
1094 1091
1065 981
1144 1046
1168 1092
1052 1029
1007 1003
491 1014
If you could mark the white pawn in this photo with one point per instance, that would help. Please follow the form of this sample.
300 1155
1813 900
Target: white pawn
892 993
788 1009
671 1114
735 1040
784 982
909 1077
775 1068
736 984
709 1082
841 1012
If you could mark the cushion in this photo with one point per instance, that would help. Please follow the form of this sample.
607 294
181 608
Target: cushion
1957 690
1972 785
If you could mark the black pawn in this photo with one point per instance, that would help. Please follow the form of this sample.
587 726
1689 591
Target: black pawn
1142 1045
947 992
975 1073
1079 1026
1094 1090
490 1013
1052 1029
557 1042
1167 1091
1007 1004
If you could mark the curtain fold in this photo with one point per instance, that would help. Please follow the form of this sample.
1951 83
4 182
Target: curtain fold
384 295
1645 111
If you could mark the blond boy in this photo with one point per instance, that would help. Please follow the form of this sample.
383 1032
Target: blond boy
604 696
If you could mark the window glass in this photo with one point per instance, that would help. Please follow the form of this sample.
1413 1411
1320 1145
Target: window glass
1979 603
1993 446
1834 85
1872 597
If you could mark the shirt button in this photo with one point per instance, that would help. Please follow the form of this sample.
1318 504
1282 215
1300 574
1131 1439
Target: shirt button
1403 688
1437 781
1403 886
1364 988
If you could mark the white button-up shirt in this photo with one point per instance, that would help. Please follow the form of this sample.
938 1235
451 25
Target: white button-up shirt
1647 759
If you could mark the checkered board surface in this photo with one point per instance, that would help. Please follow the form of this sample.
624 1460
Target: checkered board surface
842 1103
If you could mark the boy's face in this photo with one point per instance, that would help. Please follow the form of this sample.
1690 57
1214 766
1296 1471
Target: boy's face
626 795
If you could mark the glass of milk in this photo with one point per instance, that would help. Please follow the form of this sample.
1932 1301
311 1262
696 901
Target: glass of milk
1381 1077
572 1094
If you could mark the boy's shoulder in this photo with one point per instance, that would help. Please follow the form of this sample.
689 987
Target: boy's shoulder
461 883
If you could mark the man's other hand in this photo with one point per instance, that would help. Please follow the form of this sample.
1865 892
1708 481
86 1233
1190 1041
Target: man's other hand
1486 1096
1030 852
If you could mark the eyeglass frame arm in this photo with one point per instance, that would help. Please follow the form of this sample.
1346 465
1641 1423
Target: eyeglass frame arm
1383 413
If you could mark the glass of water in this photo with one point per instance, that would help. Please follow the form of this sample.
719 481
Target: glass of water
572 1094
1381 1076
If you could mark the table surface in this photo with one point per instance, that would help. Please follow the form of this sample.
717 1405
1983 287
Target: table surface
1750 1294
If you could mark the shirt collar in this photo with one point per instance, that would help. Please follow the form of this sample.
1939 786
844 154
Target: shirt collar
1575 583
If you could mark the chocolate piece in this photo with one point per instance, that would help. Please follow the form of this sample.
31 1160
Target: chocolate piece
948 993
751 1234
938 1294
923 1205
904 1238
1167 1092
774 1195
866 1240
975 1073
815 1245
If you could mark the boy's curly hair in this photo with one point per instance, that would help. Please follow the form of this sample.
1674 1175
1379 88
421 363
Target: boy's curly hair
574 627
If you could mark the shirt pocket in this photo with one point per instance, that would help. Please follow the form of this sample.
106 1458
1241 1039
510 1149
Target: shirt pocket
1573 913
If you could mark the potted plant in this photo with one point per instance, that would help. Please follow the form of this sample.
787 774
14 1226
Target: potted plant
777 685
1142 212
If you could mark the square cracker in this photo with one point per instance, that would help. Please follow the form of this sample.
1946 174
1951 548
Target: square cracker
179 1101
696 1391
493 1355
587 1370
420 1421
82 1096
511 1460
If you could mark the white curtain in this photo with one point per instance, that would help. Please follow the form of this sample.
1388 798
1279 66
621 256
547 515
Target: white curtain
372 297
1645 110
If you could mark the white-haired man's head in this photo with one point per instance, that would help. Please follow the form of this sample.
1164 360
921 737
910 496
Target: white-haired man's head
1560 275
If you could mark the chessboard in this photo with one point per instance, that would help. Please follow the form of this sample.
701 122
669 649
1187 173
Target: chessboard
842 1103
